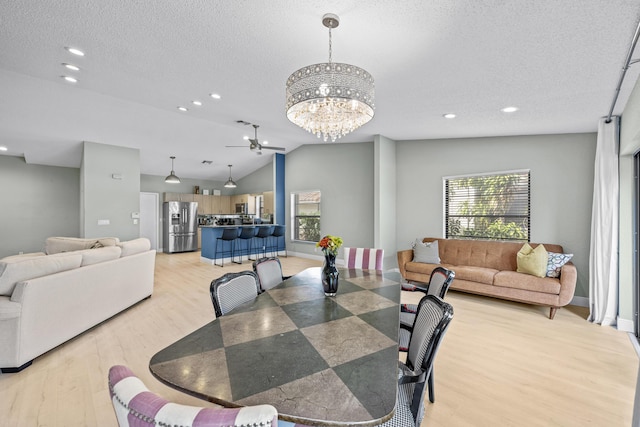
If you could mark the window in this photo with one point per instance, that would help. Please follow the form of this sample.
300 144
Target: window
490 206
306 216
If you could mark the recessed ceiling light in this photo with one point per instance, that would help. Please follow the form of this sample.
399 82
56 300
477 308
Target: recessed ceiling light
3 148
265 142
183 108
75 51
71 67
509 109
198 103
449 116
215 96
246 138
70 79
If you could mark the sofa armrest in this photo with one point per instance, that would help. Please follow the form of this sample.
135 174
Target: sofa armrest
403 258
568 279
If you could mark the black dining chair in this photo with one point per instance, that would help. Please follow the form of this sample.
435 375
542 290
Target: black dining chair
229 235
439 283
269 272
247 234
232 290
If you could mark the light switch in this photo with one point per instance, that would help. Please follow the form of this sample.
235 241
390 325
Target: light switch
135 214
103 222
135 221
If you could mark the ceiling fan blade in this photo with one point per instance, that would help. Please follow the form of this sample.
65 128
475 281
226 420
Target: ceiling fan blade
236 146
272 148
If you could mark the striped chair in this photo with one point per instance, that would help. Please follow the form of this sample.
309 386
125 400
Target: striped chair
269 272
232 290
364 258
136 406
439 284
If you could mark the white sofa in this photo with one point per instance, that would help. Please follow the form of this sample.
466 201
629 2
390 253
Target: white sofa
47 299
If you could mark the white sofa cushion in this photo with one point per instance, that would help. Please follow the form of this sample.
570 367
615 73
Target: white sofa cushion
94 256
19 269
134 246
54 245
23 256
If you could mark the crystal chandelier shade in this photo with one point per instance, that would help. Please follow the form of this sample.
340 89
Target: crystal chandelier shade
330 99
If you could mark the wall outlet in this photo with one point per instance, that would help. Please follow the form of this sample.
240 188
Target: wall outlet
135 221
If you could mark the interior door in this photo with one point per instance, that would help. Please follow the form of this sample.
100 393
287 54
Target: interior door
150 217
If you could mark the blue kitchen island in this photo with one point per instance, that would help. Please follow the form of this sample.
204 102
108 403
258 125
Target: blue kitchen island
256 247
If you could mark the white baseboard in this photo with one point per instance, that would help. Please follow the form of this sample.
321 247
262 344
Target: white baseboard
580 301
625 325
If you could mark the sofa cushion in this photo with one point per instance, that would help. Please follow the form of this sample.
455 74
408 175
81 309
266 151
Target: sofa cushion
532 260
514 280
17 270
54 245
134 246
473 274
555 263
94 256
426 252
23 256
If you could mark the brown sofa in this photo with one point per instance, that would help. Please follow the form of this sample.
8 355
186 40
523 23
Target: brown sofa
489 268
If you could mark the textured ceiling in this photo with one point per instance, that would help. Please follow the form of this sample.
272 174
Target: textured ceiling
558 61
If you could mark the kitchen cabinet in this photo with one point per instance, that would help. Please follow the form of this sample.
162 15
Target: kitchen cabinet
199 238
267 202
225 205
171 197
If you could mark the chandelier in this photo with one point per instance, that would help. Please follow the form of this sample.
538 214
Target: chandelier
330 99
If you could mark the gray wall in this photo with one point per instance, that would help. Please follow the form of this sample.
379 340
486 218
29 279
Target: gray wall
156 184
105 197
561 186
385 202
37 202
629 145
344 174
256 182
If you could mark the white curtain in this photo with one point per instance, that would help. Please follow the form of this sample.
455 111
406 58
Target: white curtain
603 257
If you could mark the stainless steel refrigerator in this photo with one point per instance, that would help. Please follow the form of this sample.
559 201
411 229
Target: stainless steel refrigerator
180 226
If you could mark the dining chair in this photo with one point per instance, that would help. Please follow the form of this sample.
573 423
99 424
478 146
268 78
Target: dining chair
135 406
269 272
364 258
439 283
232 290
432 321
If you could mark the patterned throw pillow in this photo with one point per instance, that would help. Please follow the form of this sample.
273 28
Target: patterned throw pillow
426 252
555 263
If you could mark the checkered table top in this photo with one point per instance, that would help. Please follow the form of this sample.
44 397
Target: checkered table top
318 360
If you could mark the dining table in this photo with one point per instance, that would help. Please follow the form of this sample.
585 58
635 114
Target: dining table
323 361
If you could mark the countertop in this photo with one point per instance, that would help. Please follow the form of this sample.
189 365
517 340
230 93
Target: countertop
238 225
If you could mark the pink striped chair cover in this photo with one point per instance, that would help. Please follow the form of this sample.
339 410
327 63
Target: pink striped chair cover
136 406
365 258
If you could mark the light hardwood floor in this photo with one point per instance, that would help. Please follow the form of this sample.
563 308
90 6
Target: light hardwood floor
500 364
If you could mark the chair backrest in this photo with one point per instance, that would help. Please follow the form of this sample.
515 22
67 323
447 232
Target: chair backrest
135 405
247 233
278 231
232 290
264 231
365 258
432 320
440 281
229 234
269 272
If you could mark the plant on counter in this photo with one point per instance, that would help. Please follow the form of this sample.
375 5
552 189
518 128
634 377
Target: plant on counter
330 244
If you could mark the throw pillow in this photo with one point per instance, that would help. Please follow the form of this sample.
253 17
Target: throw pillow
532 261
426 252
555 263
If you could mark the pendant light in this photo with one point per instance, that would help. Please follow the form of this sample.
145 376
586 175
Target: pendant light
230 183
172 178
330 99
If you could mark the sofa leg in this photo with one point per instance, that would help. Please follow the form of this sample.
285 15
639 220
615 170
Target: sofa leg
15 370
552 312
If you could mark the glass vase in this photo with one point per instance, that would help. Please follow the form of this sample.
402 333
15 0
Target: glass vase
329 275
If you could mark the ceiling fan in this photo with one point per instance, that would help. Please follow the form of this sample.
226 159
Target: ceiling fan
254 145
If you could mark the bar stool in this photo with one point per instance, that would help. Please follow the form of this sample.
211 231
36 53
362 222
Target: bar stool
278 231
246 234
264 232
228 235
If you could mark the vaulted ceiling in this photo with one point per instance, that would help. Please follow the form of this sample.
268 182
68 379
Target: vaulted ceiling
558 61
